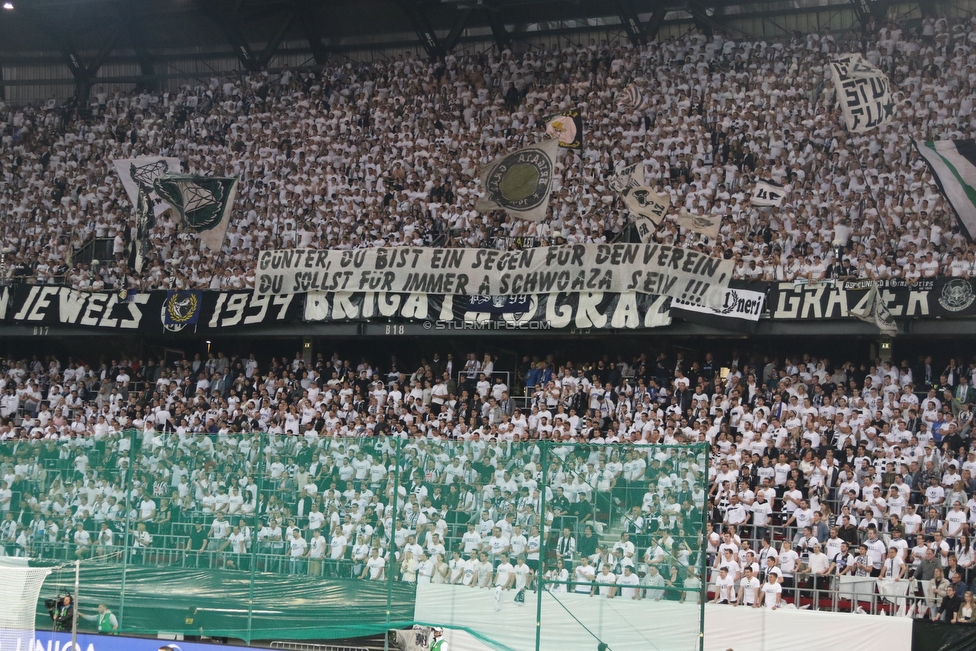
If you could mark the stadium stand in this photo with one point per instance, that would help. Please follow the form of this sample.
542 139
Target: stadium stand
807 481
818 470
387 154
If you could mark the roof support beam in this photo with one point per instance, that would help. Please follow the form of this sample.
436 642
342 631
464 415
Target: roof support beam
272 46
306 14
251 61
501 35
632 24
84 75
868 9
241 48
421 25
707 18
455 34
136 36
654 23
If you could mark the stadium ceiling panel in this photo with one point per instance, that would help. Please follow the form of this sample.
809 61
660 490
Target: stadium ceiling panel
254 29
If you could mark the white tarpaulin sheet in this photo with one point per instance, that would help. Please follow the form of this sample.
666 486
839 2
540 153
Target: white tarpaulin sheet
625 625
648 625
760 629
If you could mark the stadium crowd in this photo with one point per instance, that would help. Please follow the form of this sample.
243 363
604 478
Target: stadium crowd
387 153
817 468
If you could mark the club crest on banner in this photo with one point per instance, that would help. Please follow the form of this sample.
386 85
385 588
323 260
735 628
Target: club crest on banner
957 295
181 309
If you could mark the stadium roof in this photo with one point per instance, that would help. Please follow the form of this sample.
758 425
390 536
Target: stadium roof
85 34
97 25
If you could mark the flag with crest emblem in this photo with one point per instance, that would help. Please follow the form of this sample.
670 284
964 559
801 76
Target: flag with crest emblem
204 204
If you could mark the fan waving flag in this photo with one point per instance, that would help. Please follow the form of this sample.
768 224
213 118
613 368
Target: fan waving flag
632 176
646 203
645 229
863 92
631 98
520 182
767 193
953 164
707 225
140 173
872 309
204 204
145 220
567 128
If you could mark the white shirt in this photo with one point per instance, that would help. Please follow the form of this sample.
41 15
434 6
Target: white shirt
625 581
376 566
503 572
770 592
298 546
750 590
317 547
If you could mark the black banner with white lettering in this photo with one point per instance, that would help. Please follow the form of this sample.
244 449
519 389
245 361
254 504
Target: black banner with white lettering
205 312
444 311
156 312
925 298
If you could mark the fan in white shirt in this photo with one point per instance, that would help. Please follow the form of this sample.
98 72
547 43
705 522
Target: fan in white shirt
748 589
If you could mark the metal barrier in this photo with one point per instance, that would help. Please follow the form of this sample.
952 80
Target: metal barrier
906 597
304 646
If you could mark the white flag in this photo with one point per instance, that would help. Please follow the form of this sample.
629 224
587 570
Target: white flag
645 202
645 229
707 225
863 92
872 309
137 173
767 193
520 182
632 176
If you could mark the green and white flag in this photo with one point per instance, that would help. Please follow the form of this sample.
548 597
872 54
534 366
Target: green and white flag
204 203
139 174
520 182
872 309
953 164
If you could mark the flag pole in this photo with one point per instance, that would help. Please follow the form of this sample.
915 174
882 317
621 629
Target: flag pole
74 611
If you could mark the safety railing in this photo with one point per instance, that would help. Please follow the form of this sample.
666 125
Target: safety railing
905 597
